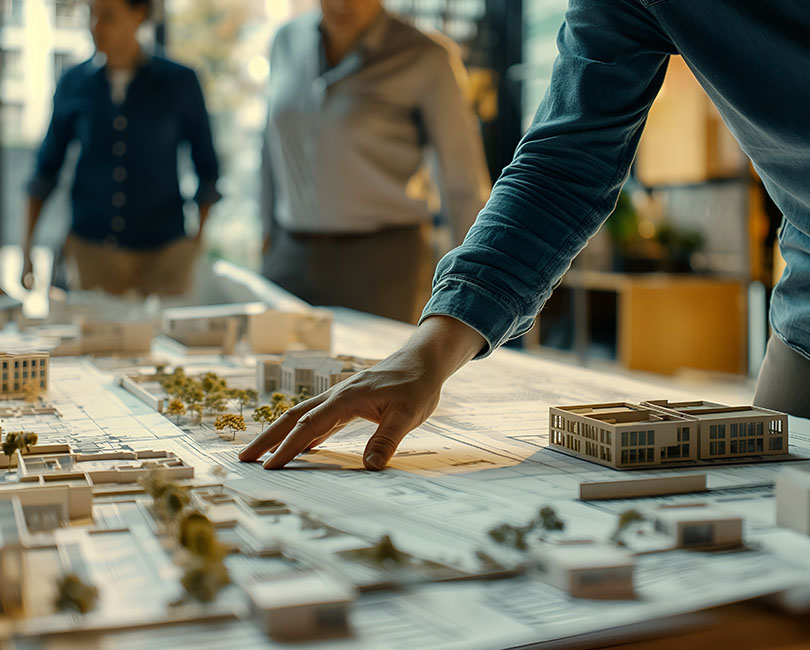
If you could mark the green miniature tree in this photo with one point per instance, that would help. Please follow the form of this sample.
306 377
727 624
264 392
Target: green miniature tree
175 383
626 520
231 422
176 408
73 594
511 536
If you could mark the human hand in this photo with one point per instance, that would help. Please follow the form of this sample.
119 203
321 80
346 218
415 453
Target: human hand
398 394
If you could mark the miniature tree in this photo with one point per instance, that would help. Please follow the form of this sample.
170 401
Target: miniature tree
303 396
214 401
197 535
211 382
176 408
192 396
264 414
168 499
384 552
11 443
511 536
28 440
280 405
626 520
31 391
244 397
160 369
549 521
203 581
73 594
174 383
231 422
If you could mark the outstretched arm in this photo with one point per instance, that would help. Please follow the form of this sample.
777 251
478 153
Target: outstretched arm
561 186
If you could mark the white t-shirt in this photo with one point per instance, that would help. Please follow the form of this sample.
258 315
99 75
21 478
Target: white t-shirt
119 83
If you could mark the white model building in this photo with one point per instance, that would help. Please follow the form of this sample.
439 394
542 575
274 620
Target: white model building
793 498
302 605
311 372
699 526
266 331
659 433
22 372
587 569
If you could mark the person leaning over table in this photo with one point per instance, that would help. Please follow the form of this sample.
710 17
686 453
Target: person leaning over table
750 57
129 111
356 97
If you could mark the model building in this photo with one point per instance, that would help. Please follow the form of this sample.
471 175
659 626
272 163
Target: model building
265 330
699 526
660 433
23 372
586 569
793 498
311 373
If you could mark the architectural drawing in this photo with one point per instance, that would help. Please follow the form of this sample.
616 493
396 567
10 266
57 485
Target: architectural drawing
624 435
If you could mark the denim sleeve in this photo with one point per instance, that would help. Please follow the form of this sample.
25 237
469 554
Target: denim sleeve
197 130
566 175
52 151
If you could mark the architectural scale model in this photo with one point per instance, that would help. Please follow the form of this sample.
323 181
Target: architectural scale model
265 330
793 498
587 569
699 526
308 372
24 372
662 433
113 338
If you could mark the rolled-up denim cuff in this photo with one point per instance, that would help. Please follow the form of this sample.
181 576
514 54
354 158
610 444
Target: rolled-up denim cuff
207 193
40 186
492 315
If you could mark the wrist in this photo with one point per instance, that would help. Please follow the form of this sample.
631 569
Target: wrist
444 344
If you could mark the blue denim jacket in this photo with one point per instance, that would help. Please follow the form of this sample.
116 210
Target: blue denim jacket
752 58
126 190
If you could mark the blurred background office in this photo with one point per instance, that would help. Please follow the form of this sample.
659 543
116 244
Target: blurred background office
679 278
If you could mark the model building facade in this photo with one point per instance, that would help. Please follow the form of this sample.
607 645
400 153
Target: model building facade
308 372
22 371
625 435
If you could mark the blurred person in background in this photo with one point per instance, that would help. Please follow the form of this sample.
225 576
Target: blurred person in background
129 111
356 98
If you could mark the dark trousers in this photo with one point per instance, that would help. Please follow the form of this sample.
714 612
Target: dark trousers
387 273
784 380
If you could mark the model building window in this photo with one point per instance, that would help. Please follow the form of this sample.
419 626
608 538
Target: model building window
713 431
698 535
751 445
733 430
775 426
713 448
721 447
650 455
674 451
733 446
774 444
624 438
685 450
642 437
721 431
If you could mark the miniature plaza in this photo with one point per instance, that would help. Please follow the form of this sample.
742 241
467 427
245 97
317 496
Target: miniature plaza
124 511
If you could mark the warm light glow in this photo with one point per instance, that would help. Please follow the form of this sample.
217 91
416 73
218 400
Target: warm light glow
258 69
646 229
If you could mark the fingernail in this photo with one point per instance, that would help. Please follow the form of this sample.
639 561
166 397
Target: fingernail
375 461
